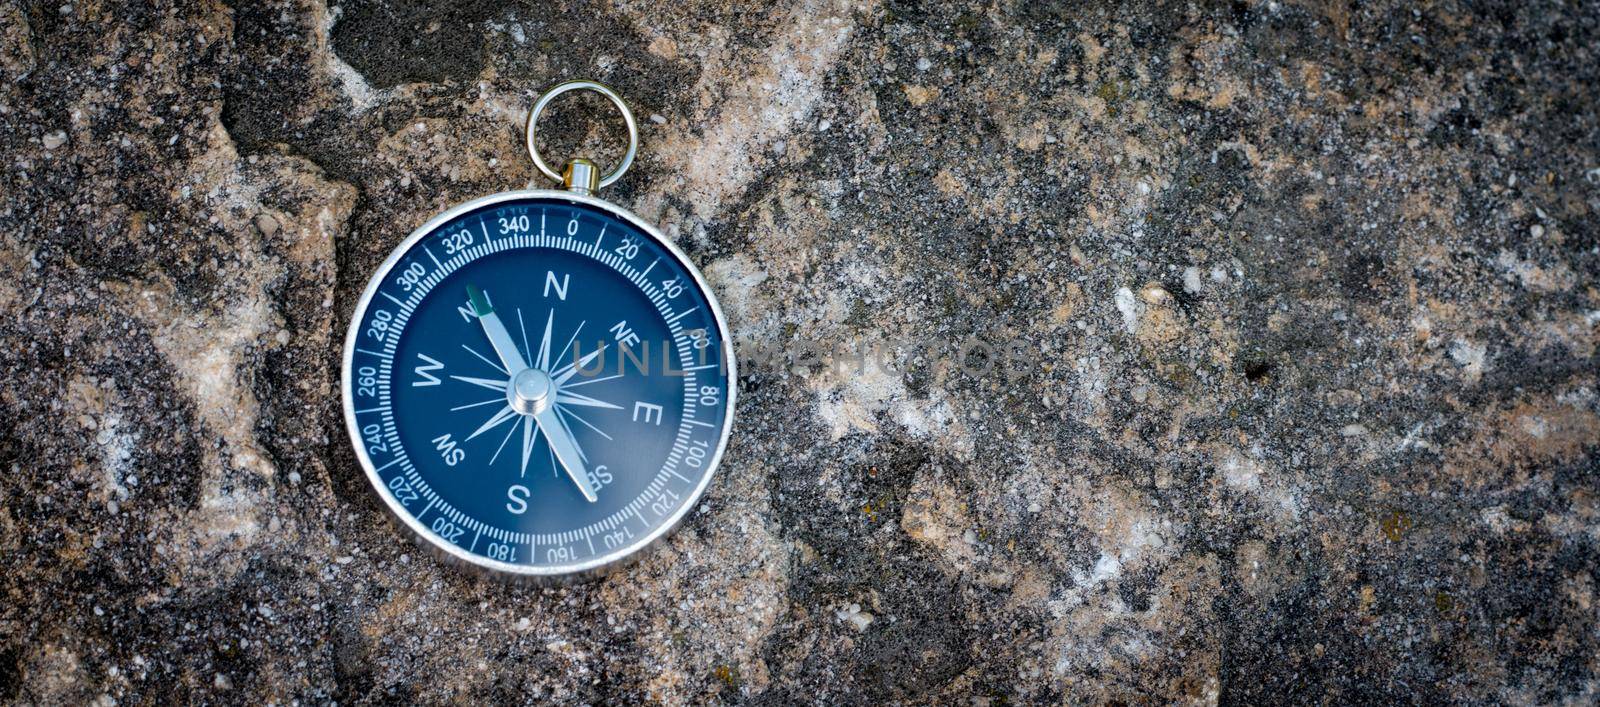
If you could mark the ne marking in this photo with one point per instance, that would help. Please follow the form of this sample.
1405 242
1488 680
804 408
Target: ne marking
375 353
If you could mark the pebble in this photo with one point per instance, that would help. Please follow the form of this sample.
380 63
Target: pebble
55 140
853 615
267 225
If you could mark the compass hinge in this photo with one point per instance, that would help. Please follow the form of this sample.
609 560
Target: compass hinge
581 176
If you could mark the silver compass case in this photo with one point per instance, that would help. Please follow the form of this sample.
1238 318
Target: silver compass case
398 360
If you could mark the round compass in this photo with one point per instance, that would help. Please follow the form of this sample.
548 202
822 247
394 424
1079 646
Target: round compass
538 383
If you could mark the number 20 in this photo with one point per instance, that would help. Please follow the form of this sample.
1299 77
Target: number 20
628 249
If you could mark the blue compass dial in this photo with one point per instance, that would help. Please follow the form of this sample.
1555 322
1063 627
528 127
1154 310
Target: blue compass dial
538 384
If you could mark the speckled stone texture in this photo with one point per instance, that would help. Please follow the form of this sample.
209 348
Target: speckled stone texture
1311 291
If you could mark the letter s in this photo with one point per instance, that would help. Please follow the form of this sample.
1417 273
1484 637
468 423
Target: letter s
519 499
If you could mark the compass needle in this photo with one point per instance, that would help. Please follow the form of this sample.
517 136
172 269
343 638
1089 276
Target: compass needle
495 330
628 460
566 450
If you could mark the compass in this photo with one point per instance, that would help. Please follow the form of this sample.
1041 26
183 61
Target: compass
538 383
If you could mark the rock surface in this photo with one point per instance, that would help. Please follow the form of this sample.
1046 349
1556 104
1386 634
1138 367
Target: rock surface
1309 290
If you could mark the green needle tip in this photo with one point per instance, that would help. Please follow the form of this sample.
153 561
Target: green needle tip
480 304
